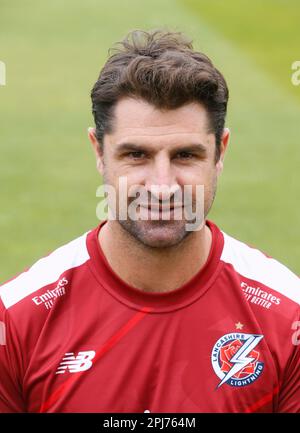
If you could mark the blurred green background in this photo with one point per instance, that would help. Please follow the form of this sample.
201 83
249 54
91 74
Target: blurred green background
53 52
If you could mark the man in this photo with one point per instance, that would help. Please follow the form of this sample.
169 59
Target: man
142 313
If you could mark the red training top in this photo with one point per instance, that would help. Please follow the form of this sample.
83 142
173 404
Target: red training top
74 337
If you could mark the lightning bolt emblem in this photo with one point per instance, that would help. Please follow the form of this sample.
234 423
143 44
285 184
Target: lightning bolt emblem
240 359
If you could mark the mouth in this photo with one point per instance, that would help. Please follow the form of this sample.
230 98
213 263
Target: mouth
160 208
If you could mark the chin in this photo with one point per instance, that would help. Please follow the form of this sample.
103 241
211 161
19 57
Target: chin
159 242
157 234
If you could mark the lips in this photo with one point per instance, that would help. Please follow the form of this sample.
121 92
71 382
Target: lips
160 207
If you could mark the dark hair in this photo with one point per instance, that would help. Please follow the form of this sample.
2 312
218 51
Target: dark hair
162 68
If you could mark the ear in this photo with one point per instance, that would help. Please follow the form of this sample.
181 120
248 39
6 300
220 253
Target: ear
223 147
97 149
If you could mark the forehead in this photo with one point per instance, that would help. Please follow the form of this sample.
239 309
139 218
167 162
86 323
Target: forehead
138 118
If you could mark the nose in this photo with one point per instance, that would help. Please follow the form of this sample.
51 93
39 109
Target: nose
161 181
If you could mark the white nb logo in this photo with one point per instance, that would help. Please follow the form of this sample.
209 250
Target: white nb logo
81 362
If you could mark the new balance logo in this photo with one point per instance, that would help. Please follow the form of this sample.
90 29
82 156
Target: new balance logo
75 364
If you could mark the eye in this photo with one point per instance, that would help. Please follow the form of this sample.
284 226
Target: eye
185 155
136 154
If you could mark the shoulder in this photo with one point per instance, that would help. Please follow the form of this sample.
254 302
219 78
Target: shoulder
45 273
254 265
31 303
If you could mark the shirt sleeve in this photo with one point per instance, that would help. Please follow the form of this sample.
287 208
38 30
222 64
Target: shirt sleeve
11 400
289 396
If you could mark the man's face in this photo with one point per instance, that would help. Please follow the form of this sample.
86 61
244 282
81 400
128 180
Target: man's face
169 149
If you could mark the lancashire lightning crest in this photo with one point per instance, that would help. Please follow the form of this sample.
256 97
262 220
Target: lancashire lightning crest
235 361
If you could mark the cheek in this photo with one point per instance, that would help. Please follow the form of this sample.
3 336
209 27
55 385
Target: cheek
201 180
136 176
125 181
200 175
113 171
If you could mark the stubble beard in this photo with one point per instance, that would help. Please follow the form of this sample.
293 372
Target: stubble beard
163 233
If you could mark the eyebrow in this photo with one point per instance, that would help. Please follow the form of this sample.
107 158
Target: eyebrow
129 147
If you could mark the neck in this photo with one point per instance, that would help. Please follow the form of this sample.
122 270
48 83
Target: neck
154 269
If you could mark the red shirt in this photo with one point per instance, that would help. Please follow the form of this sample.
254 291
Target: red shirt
74 337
